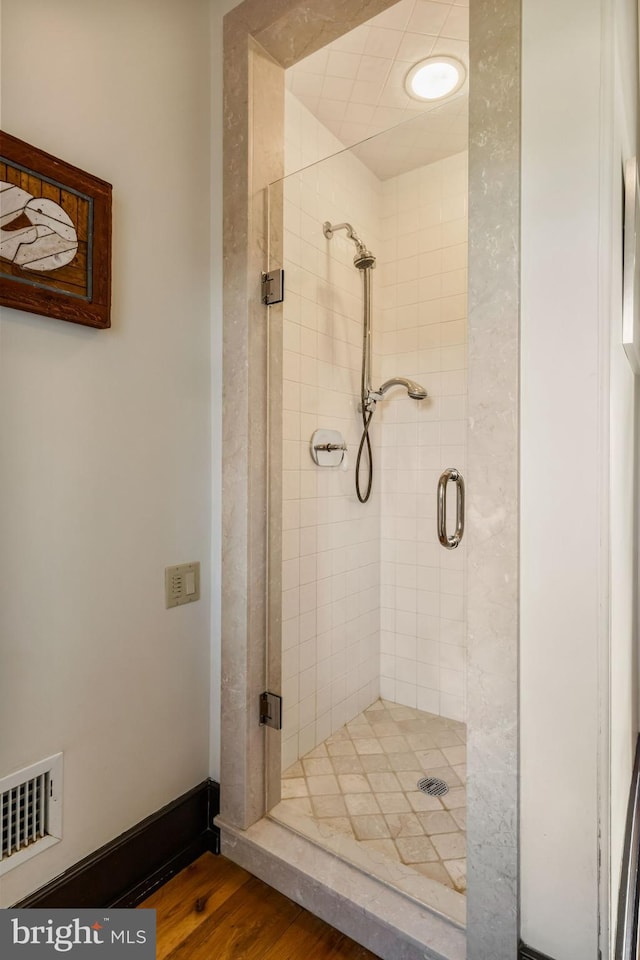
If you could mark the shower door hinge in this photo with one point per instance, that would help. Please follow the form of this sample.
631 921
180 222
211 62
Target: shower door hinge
271 710
273 287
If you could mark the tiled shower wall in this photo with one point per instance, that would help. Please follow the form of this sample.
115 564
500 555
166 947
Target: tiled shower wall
423 333
331 543
371 603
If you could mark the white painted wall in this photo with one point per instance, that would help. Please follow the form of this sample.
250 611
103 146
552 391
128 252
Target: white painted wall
577 477
560 481
105 474
623 574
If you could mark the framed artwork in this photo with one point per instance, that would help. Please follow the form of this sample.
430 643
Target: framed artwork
55 237
631 267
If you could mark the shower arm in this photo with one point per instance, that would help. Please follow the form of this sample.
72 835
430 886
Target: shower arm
329 229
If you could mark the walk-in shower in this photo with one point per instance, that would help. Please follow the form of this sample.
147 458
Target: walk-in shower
365 261
366 610
367 641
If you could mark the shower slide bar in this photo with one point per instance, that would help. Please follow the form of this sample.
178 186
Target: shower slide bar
453 475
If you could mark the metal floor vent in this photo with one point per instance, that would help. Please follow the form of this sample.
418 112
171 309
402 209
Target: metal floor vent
433 786
30 811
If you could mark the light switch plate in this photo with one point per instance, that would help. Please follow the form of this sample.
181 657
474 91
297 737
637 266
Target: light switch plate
180 579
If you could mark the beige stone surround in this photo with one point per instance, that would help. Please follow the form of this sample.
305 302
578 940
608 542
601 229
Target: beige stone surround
261 39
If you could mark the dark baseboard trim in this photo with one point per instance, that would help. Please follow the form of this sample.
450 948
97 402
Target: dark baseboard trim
528 953
128 869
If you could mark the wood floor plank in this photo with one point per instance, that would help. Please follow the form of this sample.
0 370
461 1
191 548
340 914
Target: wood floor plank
310 938
215 910
307 937
243 928
186 901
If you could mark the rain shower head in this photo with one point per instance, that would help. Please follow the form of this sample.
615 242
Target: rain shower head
415 391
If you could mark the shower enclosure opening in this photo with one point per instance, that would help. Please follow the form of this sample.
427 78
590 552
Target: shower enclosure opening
371 618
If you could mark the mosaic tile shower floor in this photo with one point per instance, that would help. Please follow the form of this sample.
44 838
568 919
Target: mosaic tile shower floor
357 793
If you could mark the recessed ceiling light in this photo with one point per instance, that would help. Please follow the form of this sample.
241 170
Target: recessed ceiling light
435 78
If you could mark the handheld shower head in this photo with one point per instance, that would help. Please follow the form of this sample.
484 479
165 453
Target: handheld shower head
415 391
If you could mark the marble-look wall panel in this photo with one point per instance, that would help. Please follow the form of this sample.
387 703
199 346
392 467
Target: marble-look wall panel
492 494
253 158
302 28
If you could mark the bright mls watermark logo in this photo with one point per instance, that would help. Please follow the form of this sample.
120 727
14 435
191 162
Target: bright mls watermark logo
79 934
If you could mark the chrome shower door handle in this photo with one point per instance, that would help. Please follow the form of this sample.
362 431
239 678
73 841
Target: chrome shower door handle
453 475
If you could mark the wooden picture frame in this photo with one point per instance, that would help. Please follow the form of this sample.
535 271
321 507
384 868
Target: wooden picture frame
55 237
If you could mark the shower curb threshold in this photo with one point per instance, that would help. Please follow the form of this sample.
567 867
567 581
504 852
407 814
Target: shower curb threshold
438 899
385 921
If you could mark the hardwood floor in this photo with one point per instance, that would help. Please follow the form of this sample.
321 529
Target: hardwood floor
215 910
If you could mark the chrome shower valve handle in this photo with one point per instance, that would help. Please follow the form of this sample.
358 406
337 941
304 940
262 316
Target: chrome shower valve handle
329 447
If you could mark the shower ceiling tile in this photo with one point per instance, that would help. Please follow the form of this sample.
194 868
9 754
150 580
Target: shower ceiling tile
355 87
353 42
428 17
447 46
308 87
373 69
337 88
457 24
353 132
383 42
359 113
342 64
367 93
414 46
331 111
317 62
396 17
